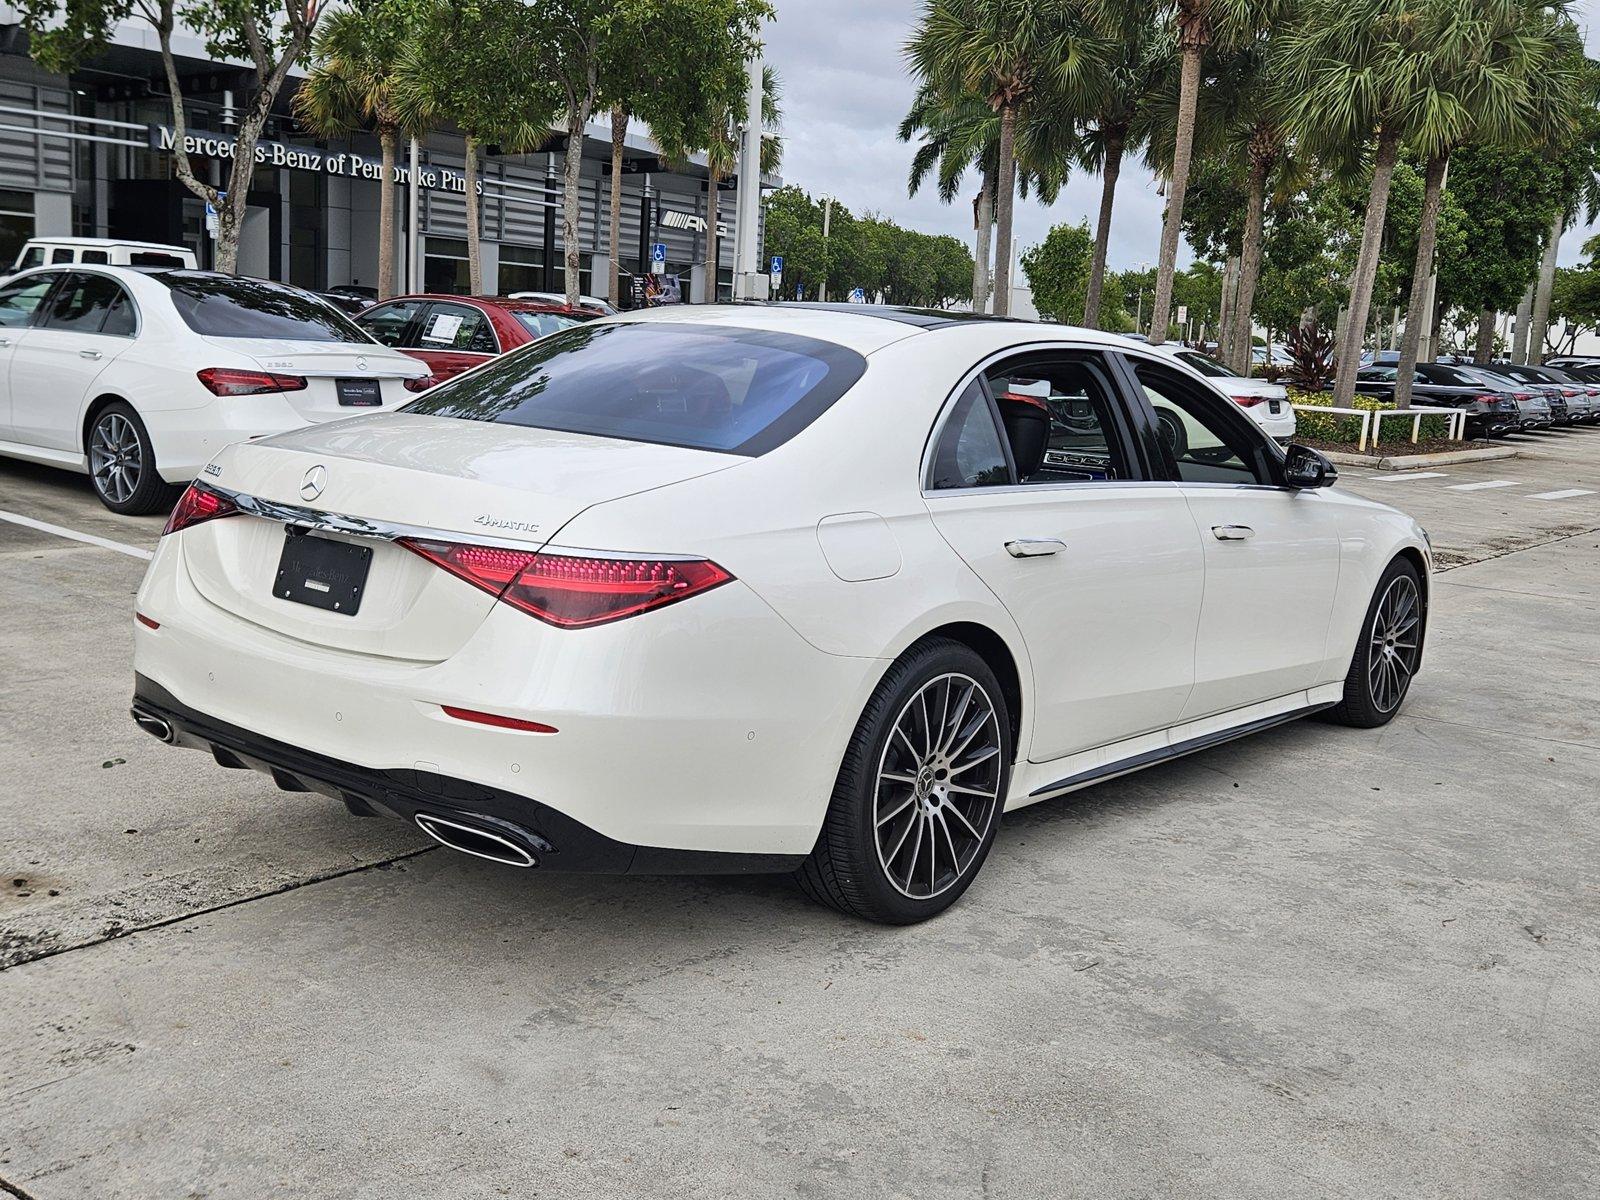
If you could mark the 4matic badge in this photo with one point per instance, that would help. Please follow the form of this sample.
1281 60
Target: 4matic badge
489 522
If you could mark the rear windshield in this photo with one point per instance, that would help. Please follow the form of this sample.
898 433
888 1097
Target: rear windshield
706 387
151 258
1452 376
229 307
541 323
1206 366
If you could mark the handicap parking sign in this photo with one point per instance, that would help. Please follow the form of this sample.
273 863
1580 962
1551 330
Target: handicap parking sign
857 296
658 252
777 264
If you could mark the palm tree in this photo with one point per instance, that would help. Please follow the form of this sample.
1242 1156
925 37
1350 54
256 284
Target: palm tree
1199 24
350 85
721 147
1125 75
1008 53
469 66
1501 72
961 132
1579 158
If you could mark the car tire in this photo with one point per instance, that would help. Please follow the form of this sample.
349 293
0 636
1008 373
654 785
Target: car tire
938 715
1388 651
122 463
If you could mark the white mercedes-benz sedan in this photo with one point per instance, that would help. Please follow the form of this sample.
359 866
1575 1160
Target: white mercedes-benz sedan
138 377
813 589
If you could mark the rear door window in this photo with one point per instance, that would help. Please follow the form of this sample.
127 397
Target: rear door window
457 327
707 387
229 307
81 304
1058 418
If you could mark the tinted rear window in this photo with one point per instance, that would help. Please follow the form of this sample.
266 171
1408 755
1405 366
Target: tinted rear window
705 387
224 306
539 324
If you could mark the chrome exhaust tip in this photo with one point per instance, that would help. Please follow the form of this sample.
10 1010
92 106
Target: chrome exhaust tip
153 725
470 839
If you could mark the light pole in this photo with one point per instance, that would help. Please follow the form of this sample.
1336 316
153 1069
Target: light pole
827 216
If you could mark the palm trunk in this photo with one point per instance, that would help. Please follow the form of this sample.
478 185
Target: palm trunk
1421 272
713 246
1109 170
1005 205
1177 188
1250 262
985 241
1519 338
469 176
572 179
1483 351
1344 388
1541 296
1230 289
619 131
388 142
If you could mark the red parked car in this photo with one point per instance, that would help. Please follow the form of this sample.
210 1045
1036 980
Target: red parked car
453 334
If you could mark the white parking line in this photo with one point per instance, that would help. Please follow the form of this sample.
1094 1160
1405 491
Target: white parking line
1478 487
1565 495
1409 475
89 538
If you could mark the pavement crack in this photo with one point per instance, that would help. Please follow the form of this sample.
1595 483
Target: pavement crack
1565 537
12 1189
118 933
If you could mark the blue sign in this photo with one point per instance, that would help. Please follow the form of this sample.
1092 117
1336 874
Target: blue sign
857 296
658 252
777 264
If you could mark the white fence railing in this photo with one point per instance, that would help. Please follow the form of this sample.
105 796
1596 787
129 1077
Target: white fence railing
1372 420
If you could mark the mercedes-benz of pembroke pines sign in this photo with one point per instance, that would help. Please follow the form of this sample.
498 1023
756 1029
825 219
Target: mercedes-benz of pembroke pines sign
307 158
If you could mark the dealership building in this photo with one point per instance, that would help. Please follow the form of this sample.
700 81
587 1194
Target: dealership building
90 155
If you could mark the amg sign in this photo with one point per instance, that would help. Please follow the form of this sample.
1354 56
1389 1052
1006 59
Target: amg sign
673 219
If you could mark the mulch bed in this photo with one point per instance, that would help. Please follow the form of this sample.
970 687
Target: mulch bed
1395 449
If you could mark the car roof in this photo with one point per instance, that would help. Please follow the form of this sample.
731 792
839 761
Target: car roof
96 243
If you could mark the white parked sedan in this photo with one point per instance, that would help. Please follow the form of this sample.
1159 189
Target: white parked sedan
139 377
770 588
1267 403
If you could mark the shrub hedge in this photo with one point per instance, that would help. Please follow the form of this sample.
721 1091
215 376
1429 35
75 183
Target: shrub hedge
1341 427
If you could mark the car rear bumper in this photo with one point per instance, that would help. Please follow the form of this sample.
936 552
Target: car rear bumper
552 840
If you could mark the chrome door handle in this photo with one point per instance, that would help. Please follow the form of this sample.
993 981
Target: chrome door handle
88 354
1034 547
5 341
1232 533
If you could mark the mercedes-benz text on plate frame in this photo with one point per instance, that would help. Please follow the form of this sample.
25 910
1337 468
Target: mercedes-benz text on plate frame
797 589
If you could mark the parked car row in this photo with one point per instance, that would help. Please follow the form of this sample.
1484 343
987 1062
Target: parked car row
138 375
1498 398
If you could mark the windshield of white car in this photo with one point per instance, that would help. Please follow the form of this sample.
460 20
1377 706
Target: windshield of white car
1206 366
230 307
704 387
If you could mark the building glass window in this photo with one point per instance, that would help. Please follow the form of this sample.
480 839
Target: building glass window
521 268
307 254
16 224
444 267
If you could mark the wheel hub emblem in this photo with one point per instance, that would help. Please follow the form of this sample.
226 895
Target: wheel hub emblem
316 479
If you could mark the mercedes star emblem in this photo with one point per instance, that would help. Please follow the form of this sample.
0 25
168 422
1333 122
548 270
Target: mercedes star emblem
316 479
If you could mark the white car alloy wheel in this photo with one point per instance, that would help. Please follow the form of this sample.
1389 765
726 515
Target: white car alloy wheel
116 459
1393 644
938 785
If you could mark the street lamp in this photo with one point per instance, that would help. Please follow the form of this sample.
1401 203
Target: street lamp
827 216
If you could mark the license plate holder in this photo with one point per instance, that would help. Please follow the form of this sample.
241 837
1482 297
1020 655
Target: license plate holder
358 393
322 573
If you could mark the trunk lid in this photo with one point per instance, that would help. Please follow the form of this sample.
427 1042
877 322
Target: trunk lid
469 481
342 378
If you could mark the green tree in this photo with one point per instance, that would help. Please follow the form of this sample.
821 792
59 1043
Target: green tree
1575 301
1502 73
469 64
1012 54
269 35
720 141
1226 25
666 62
1058 270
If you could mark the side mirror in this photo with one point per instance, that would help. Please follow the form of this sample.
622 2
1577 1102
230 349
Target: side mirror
1304 467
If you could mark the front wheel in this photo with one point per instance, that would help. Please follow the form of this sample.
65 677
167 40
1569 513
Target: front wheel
919 796
122 463
1388 652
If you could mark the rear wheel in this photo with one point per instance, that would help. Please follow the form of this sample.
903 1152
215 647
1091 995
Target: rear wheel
1387 654
919 795
122 463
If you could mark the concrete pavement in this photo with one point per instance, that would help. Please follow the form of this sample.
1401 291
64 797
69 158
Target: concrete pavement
1317 962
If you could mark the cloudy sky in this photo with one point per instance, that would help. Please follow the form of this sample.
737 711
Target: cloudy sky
845 90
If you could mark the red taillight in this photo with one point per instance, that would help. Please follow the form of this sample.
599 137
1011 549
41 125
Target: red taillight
421 384
1249 401
1521 396
146 621
495 719
198 504
225 381
572 591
